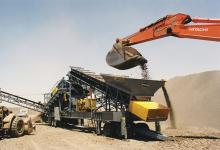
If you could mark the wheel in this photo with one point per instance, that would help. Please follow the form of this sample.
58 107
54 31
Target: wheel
116 130
62 124
130 130
112 129
108 129
17 127
142 126
141 130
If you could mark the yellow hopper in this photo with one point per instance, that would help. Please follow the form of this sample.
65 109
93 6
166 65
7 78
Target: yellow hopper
148 110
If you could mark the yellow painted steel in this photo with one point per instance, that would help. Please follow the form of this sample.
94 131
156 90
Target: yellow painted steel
148 110
86 104
65 96
54 90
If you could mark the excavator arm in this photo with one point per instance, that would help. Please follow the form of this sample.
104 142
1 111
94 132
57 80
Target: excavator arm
122 56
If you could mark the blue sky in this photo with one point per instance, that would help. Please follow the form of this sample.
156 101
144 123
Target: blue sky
40 39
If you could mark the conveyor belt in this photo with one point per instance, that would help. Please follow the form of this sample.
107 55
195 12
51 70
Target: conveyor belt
117 90
23 102
97 82
116 87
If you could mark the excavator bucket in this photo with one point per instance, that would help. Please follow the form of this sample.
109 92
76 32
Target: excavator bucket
124 57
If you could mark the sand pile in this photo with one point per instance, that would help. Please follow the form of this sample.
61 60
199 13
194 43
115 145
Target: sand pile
195 99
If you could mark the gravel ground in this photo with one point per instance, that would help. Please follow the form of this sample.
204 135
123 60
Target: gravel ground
191 138
62 139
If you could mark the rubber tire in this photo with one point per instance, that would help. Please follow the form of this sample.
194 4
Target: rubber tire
140 127
143 126
112 129
17 127
108 130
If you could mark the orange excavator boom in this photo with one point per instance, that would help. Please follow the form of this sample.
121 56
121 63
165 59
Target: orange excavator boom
176 25
122 56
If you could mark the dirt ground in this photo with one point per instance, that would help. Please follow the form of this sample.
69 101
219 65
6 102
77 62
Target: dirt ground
51 138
